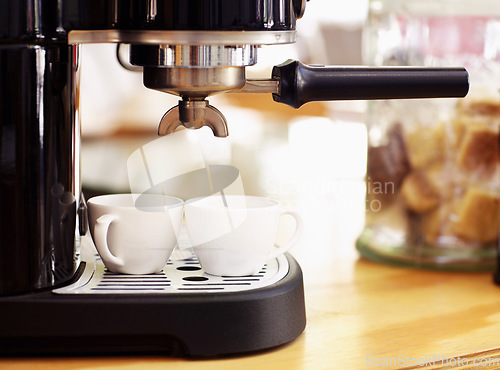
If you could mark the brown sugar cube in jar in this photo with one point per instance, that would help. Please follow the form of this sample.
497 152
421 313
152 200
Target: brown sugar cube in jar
426 145
478 215
479 148
418 195
479 106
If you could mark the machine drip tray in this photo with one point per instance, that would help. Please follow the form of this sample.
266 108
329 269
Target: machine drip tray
181 311
180 275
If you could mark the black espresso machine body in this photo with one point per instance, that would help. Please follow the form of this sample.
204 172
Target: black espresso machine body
40 194
43 212
55 292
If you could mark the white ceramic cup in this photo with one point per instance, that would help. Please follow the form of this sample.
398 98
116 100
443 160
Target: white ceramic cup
235 235
135 234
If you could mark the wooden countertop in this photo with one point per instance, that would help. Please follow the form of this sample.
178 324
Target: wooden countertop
361 314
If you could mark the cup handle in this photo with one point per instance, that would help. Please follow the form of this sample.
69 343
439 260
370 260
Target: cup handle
294 238
101 236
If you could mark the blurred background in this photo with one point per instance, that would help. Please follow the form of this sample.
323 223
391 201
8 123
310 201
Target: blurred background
313 159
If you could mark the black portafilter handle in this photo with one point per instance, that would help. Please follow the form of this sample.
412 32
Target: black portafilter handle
300 83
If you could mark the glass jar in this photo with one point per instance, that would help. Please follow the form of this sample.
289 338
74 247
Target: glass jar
433 177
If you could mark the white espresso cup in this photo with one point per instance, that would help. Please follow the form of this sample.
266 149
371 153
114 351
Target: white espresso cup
235 235
135 234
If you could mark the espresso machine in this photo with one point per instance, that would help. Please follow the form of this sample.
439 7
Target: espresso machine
50 300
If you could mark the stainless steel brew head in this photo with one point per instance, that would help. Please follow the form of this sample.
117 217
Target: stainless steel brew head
194 72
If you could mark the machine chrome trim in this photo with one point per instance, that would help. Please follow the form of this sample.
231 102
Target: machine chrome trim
193 56
182 37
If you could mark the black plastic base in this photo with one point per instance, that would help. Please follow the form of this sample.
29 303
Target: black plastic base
174 324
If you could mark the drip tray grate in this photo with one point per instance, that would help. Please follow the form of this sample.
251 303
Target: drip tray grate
180 275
